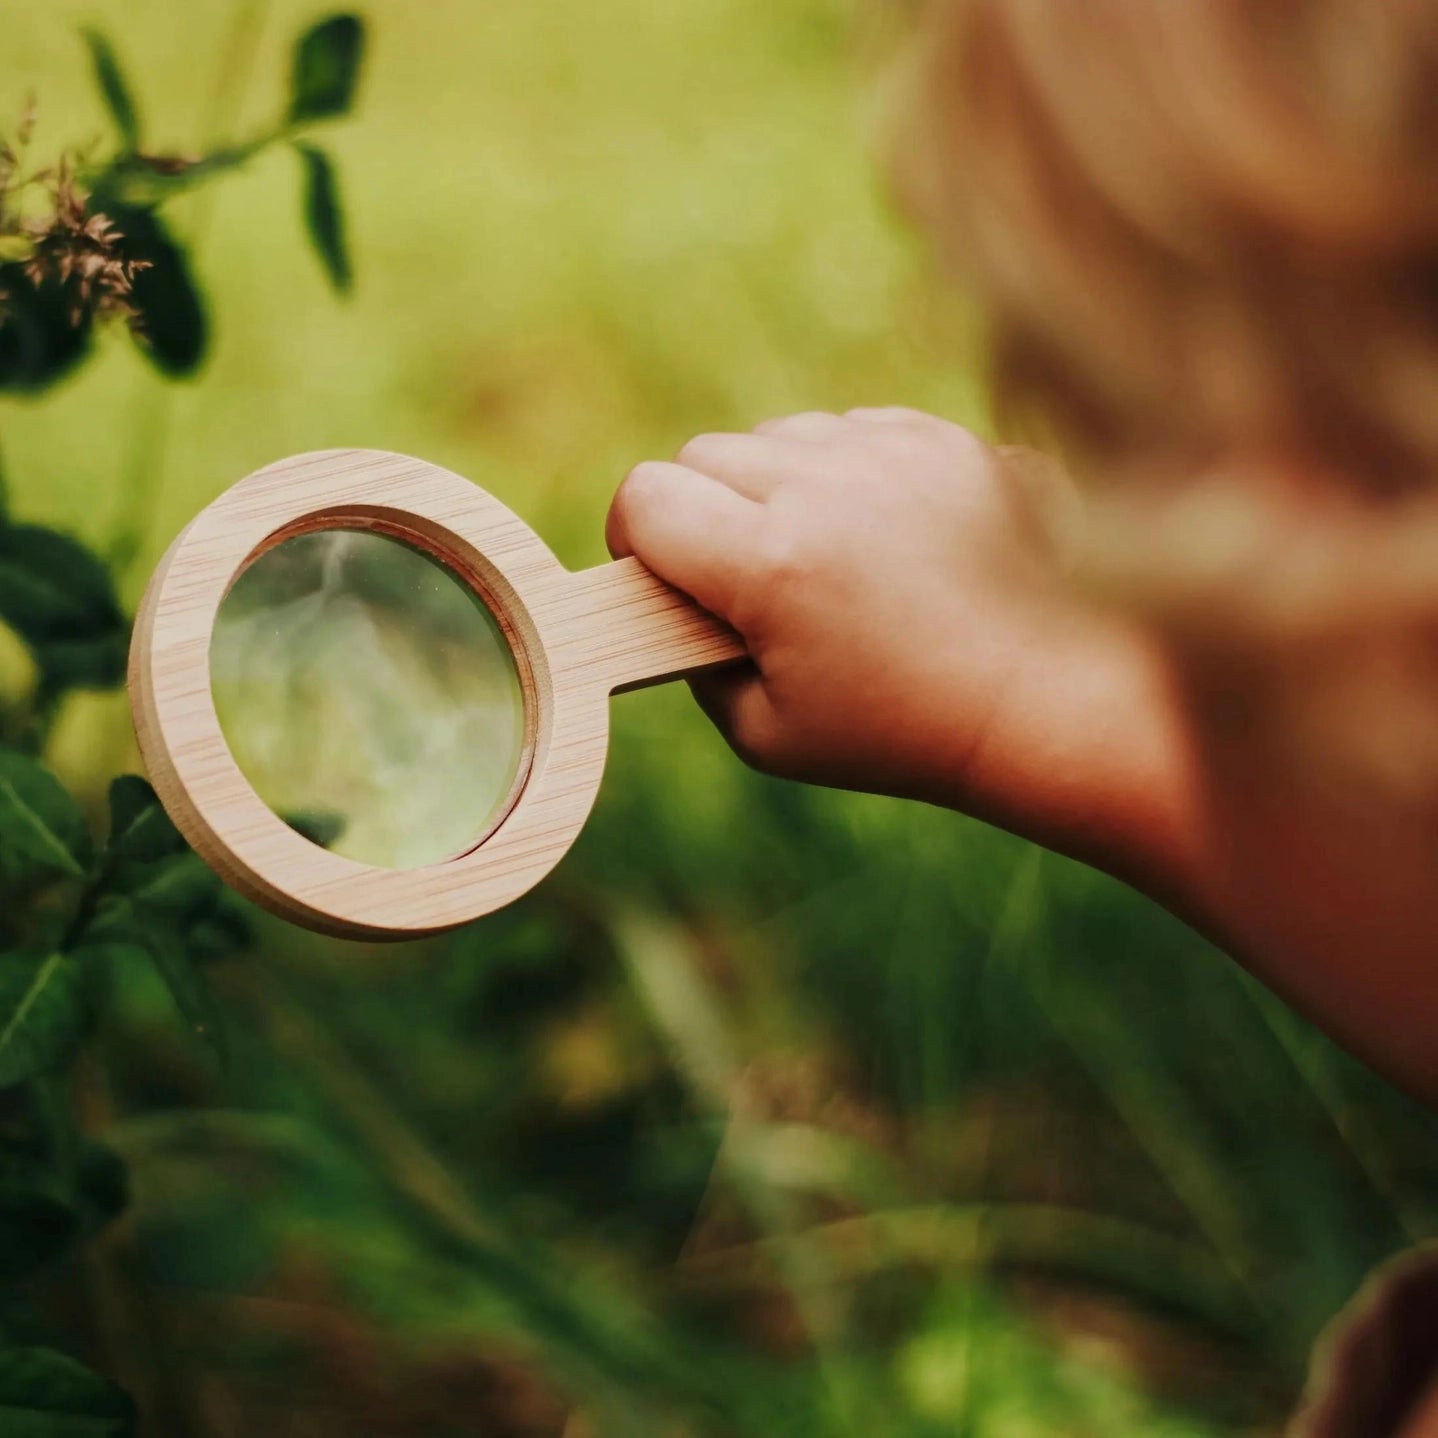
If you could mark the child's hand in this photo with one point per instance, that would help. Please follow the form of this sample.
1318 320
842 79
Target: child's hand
898 584
900 587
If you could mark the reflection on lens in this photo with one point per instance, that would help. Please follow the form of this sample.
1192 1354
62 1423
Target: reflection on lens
369 697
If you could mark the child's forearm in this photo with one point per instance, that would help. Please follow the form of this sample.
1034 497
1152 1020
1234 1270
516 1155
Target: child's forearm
1090 755
1330 900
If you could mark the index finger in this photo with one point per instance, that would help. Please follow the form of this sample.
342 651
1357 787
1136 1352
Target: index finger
692 531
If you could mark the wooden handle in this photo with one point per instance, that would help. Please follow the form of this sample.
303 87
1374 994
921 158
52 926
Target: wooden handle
642 631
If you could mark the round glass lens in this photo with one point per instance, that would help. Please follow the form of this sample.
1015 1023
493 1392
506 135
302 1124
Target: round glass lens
369 696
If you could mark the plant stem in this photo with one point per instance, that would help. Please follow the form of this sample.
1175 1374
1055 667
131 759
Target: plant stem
89 902
237 68
144 471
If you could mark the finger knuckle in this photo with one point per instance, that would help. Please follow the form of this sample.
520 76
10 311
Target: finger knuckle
934 444
704 449
785 562
641 486
807 421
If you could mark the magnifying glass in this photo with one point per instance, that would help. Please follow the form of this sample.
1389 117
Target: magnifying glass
375 702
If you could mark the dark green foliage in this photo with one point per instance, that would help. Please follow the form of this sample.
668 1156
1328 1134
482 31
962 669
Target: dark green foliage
39 1220
60 599
46 326
42 1013
76 916
156 897
101 1186
187 984
172 325
113 89
139 827
326 69
220 934
324 220
147 892
44 1394
56 1187
42 831
177 890
39 342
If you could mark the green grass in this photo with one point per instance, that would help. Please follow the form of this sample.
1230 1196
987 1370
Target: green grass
774 1111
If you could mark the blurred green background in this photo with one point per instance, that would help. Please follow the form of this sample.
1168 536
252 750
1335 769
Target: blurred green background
774 1111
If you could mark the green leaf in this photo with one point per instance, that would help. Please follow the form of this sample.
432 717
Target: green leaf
324 219
60 599
139 827
102 1185
174 329
177 892
169 906
44 1394
157 907
42 1013
317 825
38 344
189 988
220 935
55 1186
41 827
35 1124
38 1223
326 69
113 88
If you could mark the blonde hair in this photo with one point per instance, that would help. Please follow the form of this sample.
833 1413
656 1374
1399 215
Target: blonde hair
1204 234
1199 224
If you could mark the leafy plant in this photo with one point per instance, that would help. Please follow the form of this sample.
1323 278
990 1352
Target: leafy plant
43 1392
86 241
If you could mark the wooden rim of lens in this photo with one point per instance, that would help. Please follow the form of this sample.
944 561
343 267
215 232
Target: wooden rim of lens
541 607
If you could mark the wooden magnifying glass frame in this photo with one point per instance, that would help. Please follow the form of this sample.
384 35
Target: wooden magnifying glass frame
576 638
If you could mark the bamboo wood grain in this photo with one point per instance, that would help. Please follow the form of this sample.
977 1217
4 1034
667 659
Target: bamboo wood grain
577 638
